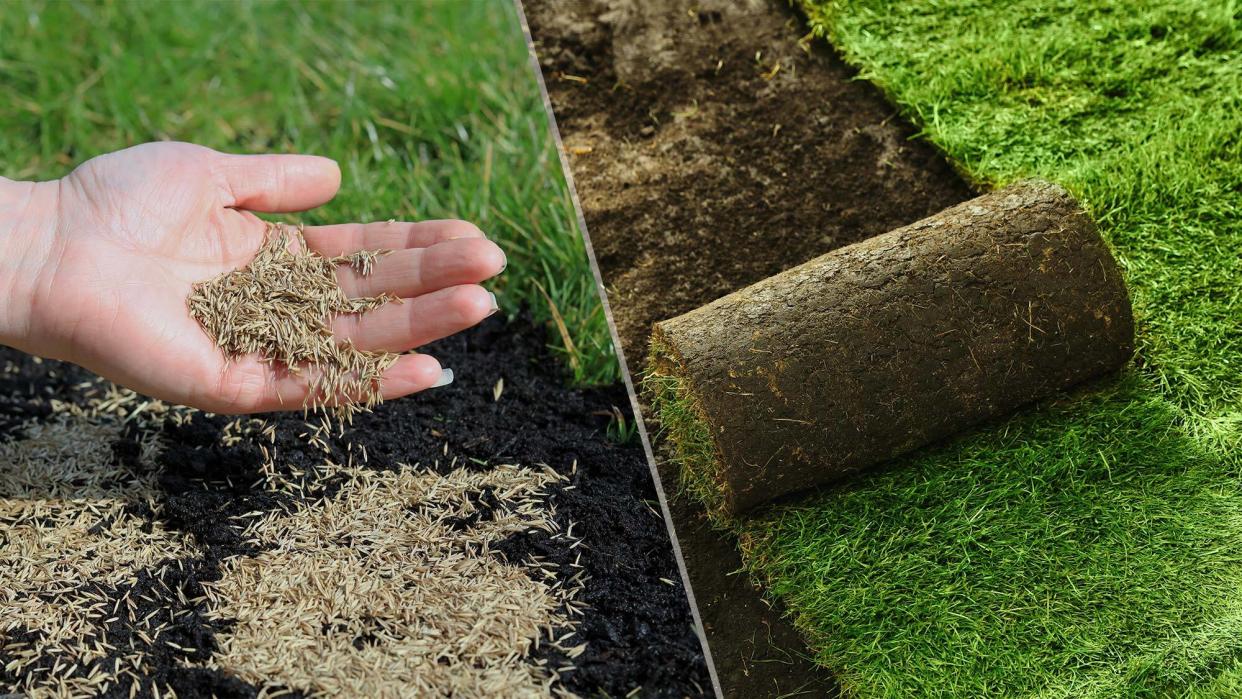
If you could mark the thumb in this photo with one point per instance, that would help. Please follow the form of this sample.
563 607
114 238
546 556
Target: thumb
278 183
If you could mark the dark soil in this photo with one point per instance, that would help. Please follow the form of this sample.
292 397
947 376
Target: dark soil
703 167
639 629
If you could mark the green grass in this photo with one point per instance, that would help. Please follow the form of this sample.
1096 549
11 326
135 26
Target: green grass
1134 106
432 109
1091 547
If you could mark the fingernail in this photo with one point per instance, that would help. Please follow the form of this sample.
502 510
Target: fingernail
446 378
495 306
504 265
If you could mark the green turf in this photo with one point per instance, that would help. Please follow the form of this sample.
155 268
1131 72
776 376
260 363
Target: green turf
1091 548
432 109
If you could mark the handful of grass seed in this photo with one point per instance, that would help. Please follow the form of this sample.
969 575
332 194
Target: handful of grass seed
281 306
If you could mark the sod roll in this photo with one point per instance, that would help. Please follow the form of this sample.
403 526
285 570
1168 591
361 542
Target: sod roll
889 344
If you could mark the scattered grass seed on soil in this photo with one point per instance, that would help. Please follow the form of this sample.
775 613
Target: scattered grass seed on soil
281 305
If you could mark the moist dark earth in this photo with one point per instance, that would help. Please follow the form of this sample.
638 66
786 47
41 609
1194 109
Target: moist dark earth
639 629
713 144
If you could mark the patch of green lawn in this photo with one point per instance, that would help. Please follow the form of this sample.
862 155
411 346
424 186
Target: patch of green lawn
431 108
1087 549
1091 547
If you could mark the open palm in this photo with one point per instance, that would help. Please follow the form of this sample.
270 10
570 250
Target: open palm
135 229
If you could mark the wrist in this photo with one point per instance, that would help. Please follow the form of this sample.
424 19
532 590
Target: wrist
28 214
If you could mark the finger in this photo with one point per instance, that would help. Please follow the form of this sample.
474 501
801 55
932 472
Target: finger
410 375
344 238
397 327
417 271
278 183
268 390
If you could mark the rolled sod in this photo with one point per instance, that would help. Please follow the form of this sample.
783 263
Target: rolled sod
887 345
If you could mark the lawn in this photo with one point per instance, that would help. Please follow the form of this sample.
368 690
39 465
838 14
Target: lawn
1092 546
431 108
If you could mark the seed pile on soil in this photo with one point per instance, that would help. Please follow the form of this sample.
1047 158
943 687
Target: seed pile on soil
64 534
210 555
387 589
416 604
884 346
280 307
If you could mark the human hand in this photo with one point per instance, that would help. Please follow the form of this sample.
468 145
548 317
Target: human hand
98 266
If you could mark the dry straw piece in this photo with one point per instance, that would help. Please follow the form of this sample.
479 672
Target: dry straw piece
281 306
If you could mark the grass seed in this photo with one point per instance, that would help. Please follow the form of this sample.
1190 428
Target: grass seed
281 306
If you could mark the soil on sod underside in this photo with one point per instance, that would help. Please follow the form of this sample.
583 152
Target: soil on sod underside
637 626
712 147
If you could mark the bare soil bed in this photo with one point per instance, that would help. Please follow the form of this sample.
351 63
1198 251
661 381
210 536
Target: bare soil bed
635 621
712 147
